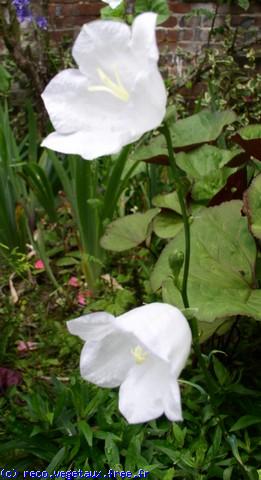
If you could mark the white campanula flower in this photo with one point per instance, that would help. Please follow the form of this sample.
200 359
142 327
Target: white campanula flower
143 351
113 3
114 97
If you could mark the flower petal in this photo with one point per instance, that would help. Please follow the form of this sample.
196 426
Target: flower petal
144 37
87 144
113 3
163 329
65 99
172 402
147 109
107 362
141 396
92 327
99 43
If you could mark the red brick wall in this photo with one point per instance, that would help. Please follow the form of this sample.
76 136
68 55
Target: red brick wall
66 16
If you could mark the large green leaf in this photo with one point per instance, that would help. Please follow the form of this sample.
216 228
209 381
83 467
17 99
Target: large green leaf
167 224
202 127
167 200
221 275
158 6
192 131
252 206
128 232
206 168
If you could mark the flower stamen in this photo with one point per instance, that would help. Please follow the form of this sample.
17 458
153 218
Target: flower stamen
115 88
139 355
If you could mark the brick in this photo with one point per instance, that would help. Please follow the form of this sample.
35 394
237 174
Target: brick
187 34
172 36
171 22
58 35
185 22
243 21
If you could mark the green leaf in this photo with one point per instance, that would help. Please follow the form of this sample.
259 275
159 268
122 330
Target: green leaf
158 6
243 4
205 166
223 254
86 430
221 372
111 451
250 132
5 80
128 232
38 181
167 224
170 474
57 460
66 262
252 206
167 200
108 13
202 127
179 434
249 138
244 422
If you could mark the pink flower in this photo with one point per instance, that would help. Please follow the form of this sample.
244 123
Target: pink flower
81 299
26 346
39 265
74 282
88 293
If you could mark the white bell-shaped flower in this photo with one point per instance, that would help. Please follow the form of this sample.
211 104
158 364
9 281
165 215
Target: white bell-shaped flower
142 351
113 3
115 96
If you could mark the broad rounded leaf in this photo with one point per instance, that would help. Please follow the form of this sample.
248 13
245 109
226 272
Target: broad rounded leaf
223 254
167 200
167 224
157 6
205 166
187 133
202 127
128 232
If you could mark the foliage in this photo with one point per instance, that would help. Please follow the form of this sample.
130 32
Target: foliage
66 210
66 424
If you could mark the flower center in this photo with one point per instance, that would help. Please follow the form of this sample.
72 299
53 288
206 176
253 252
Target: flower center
114 87
139 355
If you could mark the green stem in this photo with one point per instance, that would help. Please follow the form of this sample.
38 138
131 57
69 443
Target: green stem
193 321
213 387
177 175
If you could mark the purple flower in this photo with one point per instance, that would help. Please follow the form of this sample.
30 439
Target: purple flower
24 13
41 22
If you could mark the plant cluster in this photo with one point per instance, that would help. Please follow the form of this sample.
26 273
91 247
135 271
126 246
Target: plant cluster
131 204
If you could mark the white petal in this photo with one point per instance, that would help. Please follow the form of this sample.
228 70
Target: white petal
163 329
66 99
149 101
107 362
101 43
144 37
92 327
89 145
172 402
142 394
113 3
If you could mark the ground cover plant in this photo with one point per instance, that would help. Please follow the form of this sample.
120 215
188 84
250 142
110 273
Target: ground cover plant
137 229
